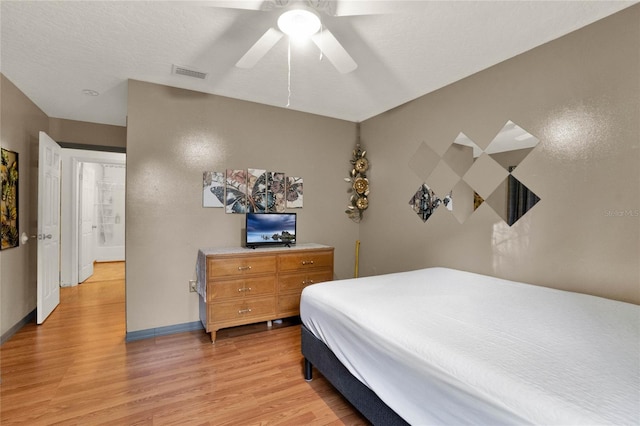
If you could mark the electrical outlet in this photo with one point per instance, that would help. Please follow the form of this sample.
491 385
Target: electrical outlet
193 286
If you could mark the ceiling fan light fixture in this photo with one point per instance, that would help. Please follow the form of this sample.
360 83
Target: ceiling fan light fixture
299 23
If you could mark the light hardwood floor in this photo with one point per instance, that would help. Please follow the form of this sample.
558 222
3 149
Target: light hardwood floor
76 369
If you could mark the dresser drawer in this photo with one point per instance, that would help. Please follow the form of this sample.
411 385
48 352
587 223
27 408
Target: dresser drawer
241 309
240 288
306 260
240 266
298 281
289 305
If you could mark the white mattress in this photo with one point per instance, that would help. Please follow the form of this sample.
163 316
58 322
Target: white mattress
441 346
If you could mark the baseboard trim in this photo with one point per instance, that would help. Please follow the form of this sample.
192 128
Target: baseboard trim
163 331
31 316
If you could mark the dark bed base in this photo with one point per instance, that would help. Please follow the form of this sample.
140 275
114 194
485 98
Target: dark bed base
317 354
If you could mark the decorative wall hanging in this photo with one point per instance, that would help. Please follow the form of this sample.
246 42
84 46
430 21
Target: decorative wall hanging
359 190
448 202
295 192
257 197
251 190
424 202
477 200
484 176
520 199
9 202
236 191
213 189
276 189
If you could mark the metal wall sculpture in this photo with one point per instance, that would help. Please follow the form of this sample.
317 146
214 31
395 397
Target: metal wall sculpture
359 200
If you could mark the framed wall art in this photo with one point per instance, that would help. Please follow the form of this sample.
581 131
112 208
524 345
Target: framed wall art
213 189
236 191
276 190
9 203
295 192
257 197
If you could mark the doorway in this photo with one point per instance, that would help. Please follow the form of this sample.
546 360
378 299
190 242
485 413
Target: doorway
103 196
93 212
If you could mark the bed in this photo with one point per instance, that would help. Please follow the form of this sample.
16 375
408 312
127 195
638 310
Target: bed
441 346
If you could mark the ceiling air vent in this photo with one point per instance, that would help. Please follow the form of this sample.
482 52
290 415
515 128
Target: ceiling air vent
177 69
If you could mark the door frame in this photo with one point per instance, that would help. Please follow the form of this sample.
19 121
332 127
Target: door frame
87 173
71 160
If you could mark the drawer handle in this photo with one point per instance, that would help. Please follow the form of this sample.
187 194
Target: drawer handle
244 289
244 311
307 262
307 282
244 268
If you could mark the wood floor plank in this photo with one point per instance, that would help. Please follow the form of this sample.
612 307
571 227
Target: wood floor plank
66 372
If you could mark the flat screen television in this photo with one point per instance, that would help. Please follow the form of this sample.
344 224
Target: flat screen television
264 229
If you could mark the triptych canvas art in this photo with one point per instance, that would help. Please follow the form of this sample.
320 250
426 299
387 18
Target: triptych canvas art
252 191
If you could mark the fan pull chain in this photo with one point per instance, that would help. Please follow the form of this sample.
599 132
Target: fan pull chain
289 74
321 52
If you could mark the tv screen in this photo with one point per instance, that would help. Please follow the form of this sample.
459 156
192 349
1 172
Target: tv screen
270 229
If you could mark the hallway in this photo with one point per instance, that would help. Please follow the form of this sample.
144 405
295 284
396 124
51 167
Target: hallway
107 271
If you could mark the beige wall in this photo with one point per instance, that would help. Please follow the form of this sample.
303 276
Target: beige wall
20 122
81 132
580 96
174 136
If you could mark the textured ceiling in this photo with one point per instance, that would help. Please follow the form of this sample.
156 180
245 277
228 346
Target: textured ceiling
52 50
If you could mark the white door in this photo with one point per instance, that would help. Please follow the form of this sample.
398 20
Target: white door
86 242
48 226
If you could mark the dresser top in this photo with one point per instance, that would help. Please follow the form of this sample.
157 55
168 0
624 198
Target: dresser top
265 249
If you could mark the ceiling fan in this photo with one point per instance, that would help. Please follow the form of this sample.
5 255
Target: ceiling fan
300 18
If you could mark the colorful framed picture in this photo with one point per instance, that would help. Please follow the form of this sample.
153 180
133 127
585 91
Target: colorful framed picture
9 203
257 197
236 191
295 192
276 185
213 189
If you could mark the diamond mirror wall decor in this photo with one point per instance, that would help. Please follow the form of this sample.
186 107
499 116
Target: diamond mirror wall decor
476 176
424 202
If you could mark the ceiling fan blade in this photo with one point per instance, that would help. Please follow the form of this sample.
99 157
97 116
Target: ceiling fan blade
260 48
351 8
331 47
237 4
263 5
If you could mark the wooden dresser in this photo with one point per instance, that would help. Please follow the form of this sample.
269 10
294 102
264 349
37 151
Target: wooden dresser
240 286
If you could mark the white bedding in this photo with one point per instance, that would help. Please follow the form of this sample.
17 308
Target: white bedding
441 346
